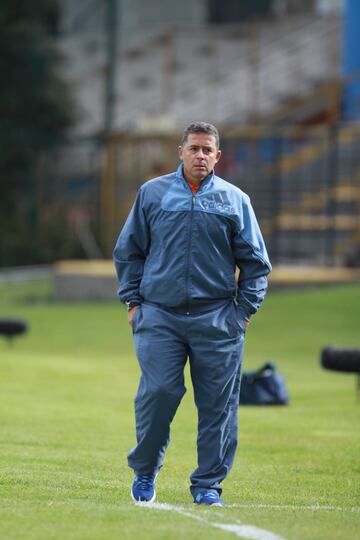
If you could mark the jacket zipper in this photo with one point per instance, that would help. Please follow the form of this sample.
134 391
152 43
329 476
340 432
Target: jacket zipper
193 201
188 255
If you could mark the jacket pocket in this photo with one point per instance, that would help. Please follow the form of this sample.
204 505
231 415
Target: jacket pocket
230 281
239 319
136 318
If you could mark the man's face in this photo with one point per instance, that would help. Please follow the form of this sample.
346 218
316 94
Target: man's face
199 156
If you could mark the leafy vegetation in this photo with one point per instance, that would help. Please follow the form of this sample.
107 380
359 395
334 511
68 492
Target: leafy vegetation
35 112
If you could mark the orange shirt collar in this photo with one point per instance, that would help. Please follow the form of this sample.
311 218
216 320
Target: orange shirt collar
194 187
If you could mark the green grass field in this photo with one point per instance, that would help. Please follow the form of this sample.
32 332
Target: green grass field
66 424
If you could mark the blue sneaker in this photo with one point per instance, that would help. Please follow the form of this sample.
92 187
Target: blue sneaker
211 498
143 488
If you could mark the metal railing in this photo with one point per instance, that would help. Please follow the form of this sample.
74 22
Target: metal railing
304 185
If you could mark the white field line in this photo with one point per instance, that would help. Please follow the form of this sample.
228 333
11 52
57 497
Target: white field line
241 531
313 507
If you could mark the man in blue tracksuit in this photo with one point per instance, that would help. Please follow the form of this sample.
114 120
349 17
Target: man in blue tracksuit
176 258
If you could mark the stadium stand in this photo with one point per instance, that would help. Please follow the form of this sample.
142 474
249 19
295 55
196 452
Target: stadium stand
257 79
247 72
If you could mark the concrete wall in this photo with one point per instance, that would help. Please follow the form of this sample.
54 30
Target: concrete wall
85 280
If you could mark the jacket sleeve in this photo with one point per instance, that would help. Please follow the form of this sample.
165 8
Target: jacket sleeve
131 251
252 259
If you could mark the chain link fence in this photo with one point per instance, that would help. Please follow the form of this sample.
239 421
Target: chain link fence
304 186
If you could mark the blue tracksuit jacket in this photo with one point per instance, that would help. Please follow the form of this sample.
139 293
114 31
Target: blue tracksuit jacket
181 250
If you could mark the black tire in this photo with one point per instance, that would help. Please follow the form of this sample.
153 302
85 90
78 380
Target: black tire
11 328
346 360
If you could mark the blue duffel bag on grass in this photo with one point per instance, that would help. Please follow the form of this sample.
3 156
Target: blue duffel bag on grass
263 387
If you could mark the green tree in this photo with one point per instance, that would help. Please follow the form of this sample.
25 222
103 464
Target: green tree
35 112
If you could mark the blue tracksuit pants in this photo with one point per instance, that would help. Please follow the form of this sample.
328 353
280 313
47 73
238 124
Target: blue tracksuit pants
213 341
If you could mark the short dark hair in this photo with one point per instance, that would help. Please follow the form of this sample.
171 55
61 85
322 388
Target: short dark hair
201 127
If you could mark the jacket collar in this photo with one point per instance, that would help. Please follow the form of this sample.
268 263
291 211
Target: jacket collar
204 183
